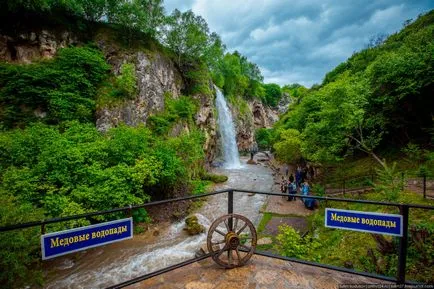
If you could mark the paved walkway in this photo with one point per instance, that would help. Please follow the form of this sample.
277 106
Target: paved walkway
280 205
260 273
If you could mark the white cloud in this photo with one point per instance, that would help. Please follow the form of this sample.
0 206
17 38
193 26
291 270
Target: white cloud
299 41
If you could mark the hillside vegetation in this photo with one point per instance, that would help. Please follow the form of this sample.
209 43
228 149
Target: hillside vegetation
380 98
53 160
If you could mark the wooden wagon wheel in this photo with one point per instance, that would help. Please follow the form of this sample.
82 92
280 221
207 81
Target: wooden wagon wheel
235 235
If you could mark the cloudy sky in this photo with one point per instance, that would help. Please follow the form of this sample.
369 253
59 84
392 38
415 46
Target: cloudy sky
298 41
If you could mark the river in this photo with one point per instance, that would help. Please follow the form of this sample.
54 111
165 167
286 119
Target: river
145 253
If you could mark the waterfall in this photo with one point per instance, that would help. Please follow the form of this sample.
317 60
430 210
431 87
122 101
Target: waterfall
227 131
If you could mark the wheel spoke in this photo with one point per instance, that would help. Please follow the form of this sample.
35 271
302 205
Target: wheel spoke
235 225
221 251
227 226
230 259
238 255
242 228
220 232
218 242
245 248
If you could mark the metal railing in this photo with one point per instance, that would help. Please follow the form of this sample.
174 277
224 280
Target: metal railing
403 243
343 185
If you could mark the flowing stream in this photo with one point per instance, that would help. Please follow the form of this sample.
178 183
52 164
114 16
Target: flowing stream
115 263
119 262
227 132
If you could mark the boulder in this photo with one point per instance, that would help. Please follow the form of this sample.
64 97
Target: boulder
192 226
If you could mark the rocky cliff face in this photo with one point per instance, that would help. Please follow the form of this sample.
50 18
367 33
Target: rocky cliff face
258 116
31 45
156 75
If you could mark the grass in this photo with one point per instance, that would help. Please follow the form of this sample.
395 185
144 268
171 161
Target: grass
264 221
355 167
340 247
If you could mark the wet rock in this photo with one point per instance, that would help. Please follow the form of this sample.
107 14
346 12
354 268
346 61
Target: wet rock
199 253
192 226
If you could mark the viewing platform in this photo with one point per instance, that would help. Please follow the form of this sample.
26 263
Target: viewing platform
259 272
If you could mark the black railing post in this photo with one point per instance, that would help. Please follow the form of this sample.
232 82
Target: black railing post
43 229
230 207
424 186
403 242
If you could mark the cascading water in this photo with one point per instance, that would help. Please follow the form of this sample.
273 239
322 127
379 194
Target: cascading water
227 131
112 264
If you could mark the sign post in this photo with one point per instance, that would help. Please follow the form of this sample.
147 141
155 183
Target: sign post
78 239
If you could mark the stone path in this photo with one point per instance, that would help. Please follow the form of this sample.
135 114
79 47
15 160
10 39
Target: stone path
292 213
280 206
260 272
298 223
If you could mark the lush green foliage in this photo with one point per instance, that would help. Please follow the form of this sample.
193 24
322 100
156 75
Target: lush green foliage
365 252
181 109
126 82
289 148
65 88
389 183
263 137
384 90
133 17
188 36
291 244
19 250
273 93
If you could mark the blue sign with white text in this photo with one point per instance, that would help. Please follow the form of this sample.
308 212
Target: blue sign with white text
69 241
377 223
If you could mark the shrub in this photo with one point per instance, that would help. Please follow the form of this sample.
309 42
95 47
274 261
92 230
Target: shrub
291 244
126 82
64 88
19 249
263 138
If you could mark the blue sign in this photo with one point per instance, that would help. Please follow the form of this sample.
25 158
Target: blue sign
377 223
78 239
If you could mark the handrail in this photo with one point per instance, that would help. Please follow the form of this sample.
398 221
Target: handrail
404 211
85 215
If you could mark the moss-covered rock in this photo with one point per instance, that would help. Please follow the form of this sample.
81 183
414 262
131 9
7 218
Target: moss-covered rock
192 226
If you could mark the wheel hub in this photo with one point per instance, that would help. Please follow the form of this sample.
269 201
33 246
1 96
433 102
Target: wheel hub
232 240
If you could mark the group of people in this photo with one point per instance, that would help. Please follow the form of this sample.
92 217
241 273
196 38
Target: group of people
299 184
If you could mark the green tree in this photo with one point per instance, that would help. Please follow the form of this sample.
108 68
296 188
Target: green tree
288 149
273 93
188 36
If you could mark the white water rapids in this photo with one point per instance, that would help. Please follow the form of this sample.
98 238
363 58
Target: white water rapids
119 262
